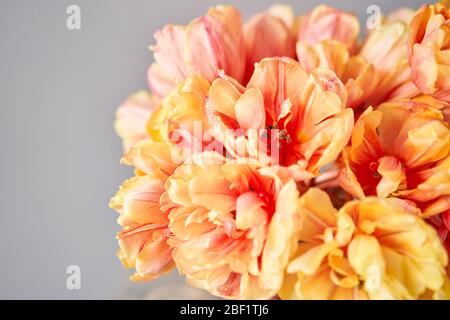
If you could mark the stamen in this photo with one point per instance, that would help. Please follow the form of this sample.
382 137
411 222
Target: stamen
284 135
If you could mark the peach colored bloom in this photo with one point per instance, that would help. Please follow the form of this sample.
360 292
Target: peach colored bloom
179 121
369 249
152 158
327 23
268 34
359 76
386 49
402 150
308 110
234 229
131 117
207 44
143 240
429 50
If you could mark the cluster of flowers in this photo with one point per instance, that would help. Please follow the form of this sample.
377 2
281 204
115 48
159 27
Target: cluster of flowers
350 196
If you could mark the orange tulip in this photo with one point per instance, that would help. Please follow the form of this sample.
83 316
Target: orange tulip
386 49
306 111
327 23
217 36
429 47
369 249
359 76
268 34
234 229
180 121
143 241
401 149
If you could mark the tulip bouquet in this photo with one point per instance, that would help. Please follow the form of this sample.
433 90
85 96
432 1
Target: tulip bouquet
288 157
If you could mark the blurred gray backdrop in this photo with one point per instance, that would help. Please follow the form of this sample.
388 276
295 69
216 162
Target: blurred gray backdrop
60 157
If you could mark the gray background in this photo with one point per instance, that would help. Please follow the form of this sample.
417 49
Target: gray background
60 157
